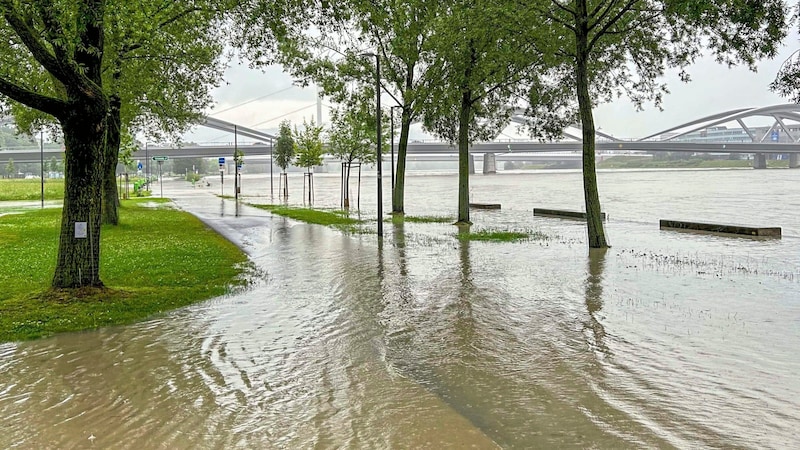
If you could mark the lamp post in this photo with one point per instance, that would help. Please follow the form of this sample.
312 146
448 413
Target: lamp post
41 162
378 117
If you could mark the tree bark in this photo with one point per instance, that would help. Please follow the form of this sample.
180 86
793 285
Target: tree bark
84 128
110 212
463 158
594 221
400 168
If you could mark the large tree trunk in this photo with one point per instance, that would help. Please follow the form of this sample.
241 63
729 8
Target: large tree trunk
84 129
463 158
400 168
110 213
594 221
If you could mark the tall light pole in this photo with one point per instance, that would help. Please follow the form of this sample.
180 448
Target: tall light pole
378 117
41 162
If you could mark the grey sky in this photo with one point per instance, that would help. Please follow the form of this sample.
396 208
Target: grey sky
714 88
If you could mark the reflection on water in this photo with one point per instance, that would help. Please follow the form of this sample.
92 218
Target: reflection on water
423 340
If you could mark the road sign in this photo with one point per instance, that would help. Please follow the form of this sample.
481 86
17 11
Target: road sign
160 158
139 166
775 135
221 161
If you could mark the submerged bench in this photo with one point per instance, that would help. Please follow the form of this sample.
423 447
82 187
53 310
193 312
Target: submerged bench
719 228
485 205
563 213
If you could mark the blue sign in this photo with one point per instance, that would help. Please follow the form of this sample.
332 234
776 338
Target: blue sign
221 161
775 136
139 166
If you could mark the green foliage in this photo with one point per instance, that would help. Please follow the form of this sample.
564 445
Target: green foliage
308 145
10 139
183 166
353 135
157 259
284 146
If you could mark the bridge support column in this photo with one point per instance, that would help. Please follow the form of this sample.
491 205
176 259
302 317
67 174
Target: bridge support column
489 163
794 160
471 164
760 161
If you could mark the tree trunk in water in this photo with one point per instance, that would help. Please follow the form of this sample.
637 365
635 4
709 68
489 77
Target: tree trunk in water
400 168
84 131
594 222
346 193
463 158
110 205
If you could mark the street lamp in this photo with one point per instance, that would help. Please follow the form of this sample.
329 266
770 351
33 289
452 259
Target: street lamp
378 117
41 162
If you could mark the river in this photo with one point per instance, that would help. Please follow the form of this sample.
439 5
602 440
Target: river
668 339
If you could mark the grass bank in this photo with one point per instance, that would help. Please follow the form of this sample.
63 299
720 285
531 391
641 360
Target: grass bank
11 189
335 218
157 259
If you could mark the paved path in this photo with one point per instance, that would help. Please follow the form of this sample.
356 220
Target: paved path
247 227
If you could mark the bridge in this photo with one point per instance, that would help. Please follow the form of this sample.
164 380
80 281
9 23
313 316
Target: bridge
683 138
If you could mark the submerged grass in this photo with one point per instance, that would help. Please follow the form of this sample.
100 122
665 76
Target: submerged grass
494 235
332 218
157 259
400 218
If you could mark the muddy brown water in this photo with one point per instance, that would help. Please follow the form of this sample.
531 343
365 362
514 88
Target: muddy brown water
424 341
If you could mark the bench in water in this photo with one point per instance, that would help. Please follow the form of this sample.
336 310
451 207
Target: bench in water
485 205
719 228
564 214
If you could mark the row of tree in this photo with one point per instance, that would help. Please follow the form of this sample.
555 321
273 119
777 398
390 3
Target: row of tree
98 71
463 68
350 138
51 165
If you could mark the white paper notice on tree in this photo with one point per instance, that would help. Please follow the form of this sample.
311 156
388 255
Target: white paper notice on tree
81 230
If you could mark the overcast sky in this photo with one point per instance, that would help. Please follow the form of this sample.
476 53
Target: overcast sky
714 88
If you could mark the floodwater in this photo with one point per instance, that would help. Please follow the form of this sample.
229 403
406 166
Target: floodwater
423 341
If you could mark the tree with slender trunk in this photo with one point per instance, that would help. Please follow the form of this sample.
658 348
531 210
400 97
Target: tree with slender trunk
397 31
352 138
284 152
480 61
308 148
610 47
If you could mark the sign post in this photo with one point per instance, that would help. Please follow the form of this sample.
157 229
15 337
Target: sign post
160 160
221 176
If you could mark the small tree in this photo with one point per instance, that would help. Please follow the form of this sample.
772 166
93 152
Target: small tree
10 168
53 166
284 152
308 147
352 138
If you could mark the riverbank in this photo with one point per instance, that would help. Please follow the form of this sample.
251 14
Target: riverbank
157 259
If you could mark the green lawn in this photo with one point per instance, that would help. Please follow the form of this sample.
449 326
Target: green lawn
157 259
31 189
